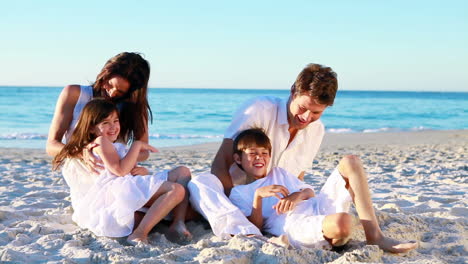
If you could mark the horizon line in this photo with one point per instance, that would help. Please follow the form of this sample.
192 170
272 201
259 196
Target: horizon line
229 88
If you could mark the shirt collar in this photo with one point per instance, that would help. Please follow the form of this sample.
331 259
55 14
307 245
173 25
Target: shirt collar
283 112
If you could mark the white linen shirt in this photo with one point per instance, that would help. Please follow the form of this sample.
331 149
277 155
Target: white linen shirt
270 114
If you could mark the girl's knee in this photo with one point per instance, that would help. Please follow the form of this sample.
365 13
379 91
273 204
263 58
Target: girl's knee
184 171
177 191
180 173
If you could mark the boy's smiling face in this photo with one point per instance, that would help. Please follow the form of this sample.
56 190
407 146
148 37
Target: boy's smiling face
254 161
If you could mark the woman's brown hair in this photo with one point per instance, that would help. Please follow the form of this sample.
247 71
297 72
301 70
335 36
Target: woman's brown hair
134 107
94 112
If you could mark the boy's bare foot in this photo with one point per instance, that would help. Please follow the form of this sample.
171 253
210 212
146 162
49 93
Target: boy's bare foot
394 246
179 233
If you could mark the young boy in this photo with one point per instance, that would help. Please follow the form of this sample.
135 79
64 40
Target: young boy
280 204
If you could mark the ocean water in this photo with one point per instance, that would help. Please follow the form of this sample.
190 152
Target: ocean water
191 116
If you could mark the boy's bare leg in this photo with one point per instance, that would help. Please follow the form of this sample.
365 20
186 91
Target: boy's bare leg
178 232
350 167
337 228
162 202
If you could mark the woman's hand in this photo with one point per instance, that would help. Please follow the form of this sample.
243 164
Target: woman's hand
272 190
139 171
93 163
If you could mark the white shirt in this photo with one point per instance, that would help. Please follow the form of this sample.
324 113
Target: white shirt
270 114
242 196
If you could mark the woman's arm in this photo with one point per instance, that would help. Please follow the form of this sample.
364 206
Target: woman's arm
62 119
111 159
144 154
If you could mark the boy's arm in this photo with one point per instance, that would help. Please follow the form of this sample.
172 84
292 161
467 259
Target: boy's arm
256 217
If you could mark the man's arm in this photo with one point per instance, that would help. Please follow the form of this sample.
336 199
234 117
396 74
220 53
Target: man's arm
221 164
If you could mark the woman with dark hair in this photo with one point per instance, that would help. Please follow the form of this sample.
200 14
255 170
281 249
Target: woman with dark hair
123 80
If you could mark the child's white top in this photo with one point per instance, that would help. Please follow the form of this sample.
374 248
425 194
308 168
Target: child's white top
303 225
242 196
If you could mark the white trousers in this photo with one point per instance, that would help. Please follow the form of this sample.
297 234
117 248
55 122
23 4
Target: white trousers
208 198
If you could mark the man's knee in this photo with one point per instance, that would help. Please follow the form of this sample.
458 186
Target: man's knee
350 161
349 164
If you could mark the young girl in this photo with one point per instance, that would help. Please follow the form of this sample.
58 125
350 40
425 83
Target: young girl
107 203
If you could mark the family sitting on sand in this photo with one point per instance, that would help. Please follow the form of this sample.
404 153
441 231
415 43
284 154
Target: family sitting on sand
256 180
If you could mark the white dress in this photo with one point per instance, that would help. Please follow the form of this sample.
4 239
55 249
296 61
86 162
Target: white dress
105 203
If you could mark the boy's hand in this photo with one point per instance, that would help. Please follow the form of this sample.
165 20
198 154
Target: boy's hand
288 203
139 171
272 190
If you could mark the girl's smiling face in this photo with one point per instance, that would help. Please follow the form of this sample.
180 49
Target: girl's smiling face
109 127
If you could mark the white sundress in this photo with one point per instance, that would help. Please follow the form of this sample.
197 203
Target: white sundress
106 203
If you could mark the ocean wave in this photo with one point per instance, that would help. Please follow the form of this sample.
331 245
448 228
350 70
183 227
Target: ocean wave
23 136
376 130
176 136
38 136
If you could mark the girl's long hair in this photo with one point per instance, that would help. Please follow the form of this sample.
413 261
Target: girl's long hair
94 112
134 107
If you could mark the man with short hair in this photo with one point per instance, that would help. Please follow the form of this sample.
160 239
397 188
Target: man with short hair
296 132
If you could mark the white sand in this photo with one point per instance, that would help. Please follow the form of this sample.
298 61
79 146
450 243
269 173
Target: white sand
419 183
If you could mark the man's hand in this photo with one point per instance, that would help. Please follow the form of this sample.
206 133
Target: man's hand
137 170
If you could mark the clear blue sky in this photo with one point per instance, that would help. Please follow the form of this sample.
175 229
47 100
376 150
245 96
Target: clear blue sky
372 45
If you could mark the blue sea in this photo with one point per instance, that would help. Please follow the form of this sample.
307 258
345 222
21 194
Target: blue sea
192 116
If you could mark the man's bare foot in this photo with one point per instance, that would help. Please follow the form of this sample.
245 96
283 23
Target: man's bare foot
134 239
179 233
394 246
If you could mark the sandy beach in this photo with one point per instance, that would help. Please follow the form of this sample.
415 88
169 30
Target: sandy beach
419 182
